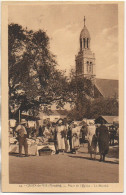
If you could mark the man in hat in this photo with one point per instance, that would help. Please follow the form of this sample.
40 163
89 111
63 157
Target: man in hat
22 137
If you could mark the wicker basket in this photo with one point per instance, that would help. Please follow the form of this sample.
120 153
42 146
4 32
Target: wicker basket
44 152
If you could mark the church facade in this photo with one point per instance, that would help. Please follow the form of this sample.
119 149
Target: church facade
86 68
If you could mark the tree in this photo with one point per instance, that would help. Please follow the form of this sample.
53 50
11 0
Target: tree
82 90
104 106
34 79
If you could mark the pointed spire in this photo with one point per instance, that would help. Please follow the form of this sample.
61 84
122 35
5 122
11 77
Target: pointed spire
84 20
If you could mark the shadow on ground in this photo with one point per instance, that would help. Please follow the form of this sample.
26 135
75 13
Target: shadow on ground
113 152
87 158
17 154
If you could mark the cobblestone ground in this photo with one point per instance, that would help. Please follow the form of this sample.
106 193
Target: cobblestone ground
67 168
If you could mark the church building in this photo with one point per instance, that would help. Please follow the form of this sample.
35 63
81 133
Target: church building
86 68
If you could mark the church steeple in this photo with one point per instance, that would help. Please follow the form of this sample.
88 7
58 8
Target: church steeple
85 60
84 38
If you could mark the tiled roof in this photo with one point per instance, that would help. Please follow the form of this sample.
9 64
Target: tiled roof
108 119
107 87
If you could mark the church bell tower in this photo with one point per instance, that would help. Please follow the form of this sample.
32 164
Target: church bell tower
85 60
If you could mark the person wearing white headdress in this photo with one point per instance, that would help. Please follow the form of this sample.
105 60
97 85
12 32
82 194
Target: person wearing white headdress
92 139
61 133
75 137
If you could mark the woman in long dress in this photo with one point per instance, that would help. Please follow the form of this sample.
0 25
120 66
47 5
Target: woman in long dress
61 133
103 140
69 138
75 137
92 139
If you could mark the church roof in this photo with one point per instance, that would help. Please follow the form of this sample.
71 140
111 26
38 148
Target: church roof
107 87
85 33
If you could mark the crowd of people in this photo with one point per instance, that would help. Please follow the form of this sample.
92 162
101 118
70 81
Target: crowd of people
67 136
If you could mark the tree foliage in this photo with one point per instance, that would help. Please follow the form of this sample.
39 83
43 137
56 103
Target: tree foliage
93 108
82 89
104 106
34 79
86 106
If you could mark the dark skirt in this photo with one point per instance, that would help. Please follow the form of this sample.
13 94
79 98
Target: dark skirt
103 142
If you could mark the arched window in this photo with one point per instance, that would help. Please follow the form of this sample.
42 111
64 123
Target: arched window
84 42
87 42
87 65
90 67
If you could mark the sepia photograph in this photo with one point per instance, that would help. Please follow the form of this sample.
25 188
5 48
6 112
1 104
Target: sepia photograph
62 75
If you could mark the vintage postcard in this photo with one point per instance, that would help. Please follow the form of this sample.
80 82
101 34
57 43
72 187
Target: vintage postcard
62 96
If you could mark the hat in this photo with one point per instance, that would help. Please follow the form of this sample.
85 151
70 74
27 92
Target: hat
91 122
60 121
23 121
75 123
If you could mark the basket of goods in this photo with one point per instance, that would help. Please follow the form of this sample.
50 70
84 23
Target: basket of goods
45 151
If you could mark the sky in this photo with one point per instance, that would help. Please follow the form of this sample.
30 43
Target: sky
63 24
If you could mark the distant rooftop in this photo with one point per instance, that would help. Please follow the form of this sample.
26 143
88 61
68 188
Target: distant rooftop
107 119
